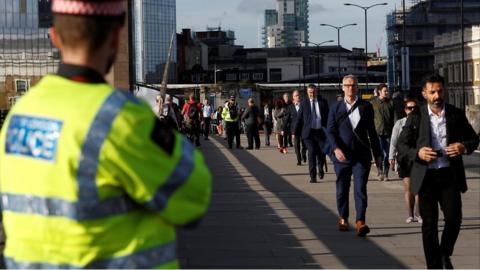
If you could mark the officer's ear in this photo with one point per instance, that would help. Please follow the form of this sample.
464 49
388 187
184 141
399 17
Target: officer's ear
55 38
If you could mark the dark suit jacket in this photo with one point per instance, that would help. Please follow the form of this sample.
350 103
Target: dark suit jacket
355 147
304 117
416 134
293 116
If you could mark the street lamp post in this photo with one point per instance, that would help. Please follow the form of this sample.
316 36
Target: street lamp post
366 35
338 43
318 56
215 70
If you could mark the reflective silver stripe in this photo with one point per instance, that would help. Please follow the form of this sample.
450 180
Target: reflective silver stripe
176 179
87 168
27 204
145 259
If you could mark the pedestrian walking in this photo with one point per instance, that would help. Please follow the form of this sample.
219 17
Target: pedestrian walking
231 116
352 136
298 143
287 122
168 115
267 123
403 167
251 116
90 177
311 123
384 120
279 115
220 122
207 111
435 139
193 118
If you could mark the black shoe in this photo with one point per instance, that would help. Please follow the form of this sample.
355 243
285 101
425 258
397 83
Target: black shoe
239 147
229 147
206 138
304 159
299 164
321 174
313 181
249 148
447 263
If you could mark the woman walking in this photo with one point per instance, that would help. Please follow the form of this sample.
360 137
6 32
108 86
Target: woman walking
280 112
267 123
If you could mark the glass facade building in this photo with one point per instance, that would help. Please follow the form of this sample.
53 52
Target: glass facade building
154 24
26 53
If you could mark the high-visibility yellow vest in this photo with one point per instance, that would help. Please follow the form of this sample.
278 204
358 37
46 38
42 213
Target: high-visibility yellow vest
84 185
226 114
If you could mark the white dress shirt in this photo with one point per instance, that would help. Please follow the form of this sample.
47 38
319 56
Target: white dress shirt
207 111
355 115
316 121
297 107
438 136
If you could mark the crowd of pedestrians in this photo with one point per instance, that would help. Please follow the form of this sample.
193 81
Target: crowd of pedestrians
418 142
397 133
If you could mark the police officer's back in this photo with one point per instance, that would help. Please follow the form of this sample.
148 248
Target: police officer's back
89 177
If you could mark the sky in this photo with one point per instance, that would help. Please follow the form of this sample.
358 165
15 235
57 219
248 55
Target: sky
246 17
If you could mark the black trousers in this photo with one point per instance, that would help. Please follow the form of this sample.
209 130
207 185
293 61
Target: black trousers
206 126
233 131
438 188
252 134
315 154
300 149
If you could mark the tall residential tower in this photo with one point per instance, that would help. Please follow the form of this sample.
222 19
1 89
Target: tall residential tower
288 25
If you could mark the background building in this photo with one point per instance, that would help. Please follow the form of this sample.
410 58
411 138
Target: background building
154 24
423 21
448 63
288 25
26 53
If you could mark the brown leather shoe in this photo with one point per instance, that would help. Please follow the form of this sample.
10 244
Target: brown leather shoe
343 225
361 228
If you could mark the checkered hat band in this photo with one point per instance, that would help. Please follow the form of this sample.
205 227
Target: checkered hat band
75 7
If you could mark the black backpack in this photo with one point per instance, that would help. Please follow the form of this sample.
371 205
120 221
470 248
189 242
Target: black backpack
193 111
233 111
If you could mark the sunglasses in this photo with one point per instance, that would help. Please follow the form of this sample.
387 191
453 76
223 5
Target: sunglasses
411 108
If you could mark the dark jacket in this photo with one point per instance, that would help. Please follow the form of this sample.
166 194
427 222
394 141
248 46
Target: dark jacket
416 134
384 116
251 115
292 111
358 144
304 117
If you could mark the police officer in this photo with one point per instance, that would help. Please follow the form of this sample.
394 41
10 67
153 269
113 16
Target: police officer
89 177
231 115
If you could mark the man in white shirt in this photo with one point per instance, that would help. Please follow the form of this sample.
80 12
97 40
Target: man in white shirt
352 136
311 122
207 112
435 139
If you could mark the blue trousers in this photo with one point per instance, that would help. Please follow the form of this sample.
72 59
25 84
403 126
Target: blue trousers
360 171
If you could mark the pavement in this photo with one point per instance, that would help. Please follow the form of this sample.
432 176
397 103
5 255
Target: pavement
265 214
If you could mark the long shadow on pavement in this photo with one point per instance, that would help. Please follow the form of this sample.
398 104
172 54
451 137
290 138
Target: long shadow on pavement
237 231
243 231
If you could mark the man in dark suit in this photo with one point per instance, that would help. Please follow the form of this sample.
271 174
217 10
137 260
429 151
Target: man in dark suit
435 139
352 136
311 121
298 144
